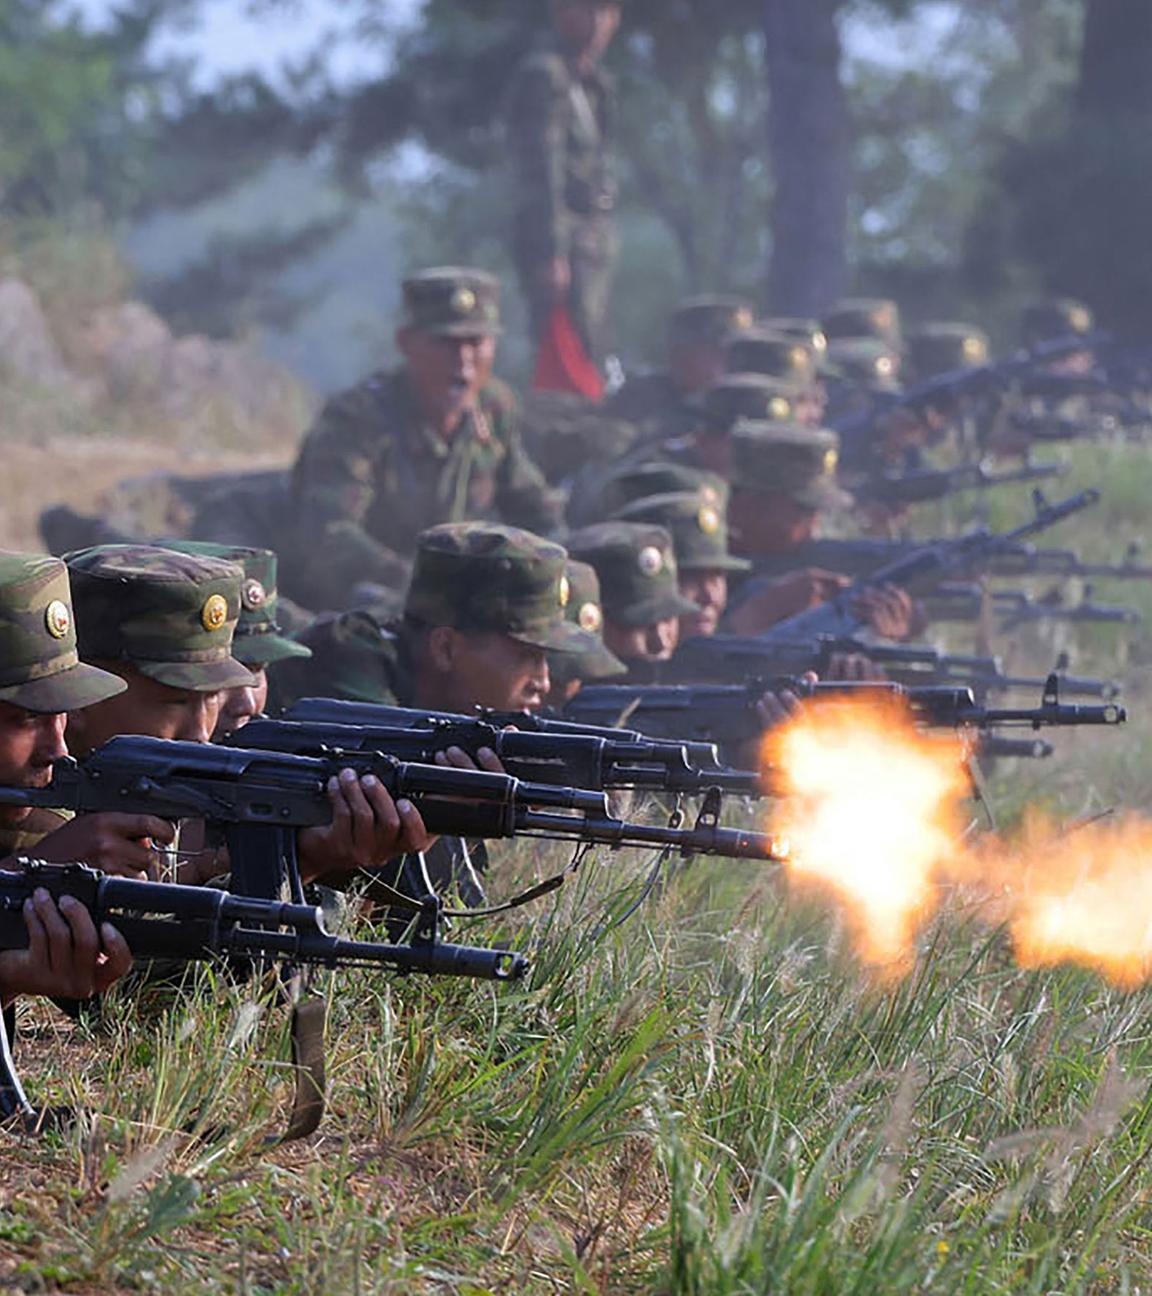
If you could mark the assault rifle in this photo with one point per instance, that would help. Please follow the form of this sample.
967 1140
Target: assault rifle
924 568
728 714
733 659
924 485
1012 608
164 921
243 793
602 763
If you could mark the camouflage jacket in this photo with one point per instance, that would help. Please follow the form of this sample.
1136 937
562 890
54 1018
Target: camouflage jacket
559 132
371 477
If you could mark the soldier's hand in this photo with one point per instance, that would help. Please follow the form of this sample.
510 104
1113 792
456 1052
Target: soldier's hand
776 707
854 668
367 830
556 277
457 758
66 955
887 609
786 596
123 845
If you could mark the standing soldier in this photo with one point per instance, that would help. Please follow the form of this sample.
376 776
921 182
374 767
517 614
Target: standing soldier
560 131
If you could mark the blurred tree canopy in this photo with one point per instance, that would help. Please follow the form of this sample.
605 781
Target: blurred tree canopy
789 148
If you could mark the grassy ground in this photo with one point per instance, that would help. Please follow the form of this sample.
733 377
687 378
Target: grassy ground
708 1099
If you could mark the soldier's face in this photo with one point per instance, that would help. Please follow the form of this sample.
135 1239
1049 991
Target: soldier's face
587 28
697 365
709 591
811 405
147 708
482 669
29 744
653 643
239 705
446 372
767 524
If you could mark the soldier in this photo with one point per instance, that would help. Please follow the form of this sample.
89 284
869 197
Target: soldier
663 403
865 317
602 497
941 348
699 534
258 640
41 679
784 479
567 670
434 441
636 565
1057 318
163 622
559 120
790 360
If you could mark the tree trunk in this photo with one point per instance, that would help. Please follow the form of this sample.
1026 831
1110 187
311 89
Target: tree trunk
1114 62
810 145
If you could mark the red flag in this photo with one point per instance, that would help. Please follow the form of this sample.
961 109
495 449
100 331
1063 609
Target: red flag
563 364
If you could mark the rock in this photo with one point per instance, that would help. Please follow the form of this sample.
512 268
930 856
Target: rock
27 348
127 344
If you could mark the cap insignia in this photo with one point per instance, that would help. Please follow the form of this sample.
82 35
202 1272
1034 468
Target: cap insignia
820 341
798 358
463 301
973 349
779 411
214 613
591 618
709 520
1079 321
57 619
650 561
885 366
831 461
743 318
253 595
565 592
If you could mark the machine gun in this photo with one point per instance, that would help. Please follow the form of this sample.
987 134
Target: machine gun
728 715
601 763
924 568
734 659
924 485
1013 608
244 793
160 920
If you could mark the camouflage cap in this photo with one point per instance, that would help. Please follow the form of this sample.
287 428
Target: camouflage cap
867 362
585 609
170 615
787 459
480 576
940 348
1059 317
864 317
776 355
809 331
636 565
624 485
710 319
453 301
259 639
699 530
40 669
748 396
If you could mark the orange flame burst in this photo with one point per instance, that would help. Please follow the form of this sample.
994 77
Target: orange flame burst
1082 896
872 810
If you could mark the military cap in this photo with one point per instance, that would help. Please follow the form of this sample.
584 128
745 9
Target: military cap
864 317
776 355
636 564
480 576
259 639
748 395
699 530
941 348
622 486
710 319
170 615
810 331
787 459
867 362
1060 317
586 609
40 669
452 301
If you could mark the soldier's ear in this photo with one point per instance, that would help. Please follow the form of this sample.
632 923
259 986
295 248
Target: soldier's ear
443 649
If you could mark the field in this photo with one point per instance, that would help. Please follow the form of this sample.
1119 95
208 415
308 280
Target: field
705 1097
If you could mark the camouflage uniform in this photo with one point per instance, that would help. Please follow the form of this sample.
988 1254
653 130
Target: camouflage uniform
371 476
40 668
560 133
